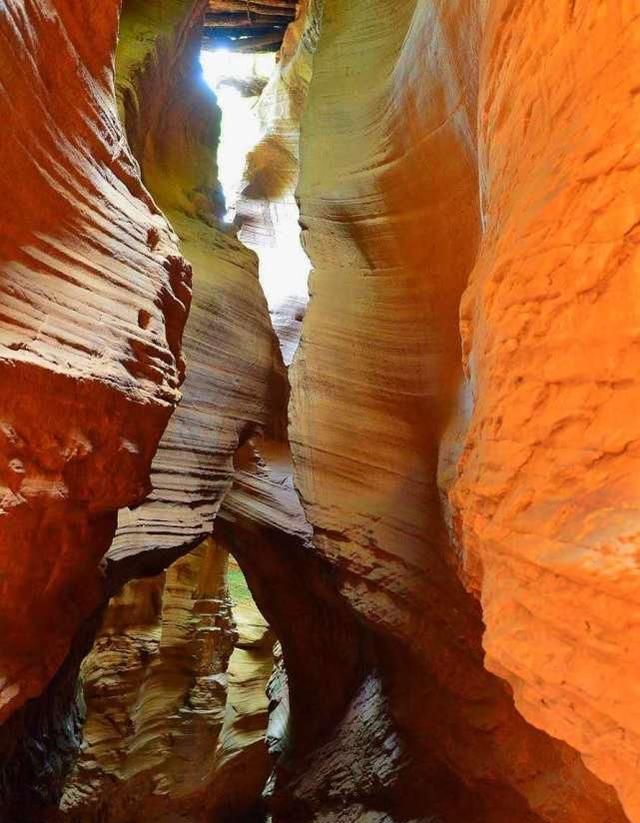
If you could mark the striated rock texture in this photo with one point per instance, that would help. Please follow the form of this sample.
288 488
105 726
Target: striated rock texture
385 709
151 732
155 692
172 125
325 653
93 300
176 705
234 364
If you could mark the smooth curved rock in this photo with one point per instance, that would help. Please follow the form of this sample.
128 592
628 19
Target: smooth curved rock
235 373
389 201
267 210
242 762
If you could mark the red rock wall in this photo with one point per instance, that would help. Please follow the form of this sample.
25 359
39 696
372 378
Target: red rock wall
93 299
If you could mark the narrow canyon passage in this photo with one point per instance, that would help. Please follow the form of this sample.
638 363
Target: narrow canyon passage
175 699
319 440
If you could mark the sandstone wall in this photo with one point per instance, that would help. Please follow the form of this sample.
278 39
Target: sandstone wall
94 298
391 173
176 704
268 213
173 121
155 690
547 490
241 761
121 286
152 730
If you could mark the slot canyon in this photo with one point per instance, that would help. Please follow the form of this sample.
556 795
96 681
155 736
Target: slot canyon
320 427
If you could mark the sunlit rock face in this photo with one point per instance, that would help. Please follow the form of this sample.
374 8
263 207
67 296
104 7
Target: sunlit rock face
176 716
546 492
93 303
267 211
241 759
155 691
391 170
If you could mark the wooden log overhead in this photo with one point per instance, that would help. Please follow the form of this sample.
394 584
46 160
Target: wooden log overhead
250 5
247 25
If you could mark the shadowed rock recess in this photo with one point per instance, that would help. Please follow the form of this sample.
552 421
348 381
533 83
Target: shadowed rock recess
362 552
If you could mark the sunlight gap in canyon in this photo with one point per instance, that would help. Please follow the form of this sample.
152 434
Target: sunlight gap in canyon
237 79
263 207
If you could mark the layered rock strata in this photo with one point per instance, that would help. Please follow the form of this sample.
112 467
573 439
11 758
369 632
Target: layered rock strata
247 26
234 366
94 298
242 762
160 749
172 125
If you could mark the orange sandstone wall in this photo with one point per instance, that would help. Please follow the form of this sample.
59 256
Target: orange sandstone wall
547 490
400 198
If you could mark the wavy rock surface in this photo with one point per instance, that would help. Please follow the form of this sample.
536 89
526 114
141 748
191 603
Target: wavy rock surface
93 301
175 690
393 225
152 729
173 124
